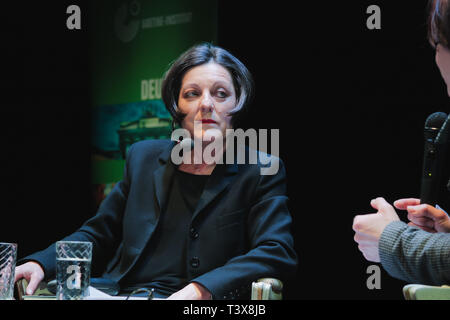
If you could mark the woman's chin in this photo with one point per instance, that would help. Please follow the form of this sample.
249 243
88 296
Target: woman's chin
208 135
212 134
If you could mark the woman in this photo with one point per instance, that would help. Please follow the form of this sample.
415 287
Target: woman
194 230
418 253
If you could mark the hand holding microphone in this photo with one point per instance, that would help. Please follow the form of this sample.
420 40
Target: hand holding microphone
424 216
421 212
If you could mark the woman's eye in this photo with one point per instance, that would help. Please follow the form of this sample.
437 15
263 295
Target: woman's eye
221 94
190 94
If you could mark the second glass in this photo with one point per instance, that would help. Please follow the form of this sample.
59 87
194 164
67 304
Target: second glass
73 269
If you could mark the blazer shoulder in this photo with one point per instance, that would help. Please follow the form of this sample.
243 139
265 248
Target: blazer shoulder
151 147
266 164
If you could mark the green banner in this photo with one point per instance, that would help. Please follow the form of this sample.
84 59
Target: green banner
132 45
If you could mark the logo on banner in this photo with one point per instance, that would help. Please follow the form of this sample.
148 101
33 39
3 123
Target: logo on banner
127 22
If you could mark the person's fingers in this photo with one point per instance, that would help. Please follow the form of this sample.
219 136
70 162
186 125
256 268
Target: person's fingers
439 218
425 210
362 222
421 210
364 237
437 214
402 204
33 284
421 220
356 224
365 242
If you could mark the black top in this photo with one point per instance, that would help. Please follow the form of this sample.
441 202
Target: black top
163 263
191 187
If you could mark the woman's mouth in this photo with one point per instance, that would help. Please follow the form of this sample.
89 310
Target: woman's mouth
208 121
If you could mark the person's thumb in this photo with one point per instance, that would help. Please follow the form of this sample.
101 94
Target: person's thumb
383 207
379 203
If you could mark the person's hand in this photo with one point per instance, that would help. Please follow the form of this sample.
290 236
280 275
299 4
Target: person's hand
193 291
368 228
31 271
424 216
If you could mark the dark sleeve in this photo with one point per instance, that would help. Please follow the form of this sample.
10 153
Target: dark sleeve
414 255
272 247
104 230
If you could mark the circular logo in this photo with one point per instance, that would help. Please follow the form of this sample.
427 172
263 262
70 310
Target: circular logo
126 25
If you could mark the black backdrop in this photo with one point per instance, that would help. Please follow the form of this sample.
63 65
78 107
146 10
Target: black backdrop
350 104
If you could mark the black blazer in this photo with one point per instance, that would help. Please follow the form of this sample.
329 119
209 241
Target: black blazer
240 230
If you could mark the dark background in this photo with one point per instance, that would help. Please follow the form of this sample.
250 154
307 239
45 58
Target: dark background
350 104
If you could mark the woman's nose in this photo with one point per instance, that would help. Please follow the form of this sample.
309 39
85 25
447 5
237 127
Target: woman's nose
206 103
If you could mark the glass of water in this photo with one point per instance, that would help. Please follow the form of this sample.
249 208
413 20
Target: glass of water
73 269
8 255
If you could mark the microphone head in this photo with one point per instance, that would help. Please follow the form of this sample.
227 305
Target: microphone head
435 120
444 132
433 124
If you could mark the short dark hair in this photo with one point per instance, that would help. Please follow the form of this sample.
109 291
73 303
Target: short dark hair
198 55
439 22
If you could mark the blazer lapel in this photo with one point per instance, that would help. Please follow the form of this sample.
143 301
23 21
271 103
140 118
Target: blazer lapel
162 178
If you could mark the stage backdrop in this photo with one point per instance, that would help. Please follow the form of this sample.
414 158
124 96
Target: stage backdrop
132 46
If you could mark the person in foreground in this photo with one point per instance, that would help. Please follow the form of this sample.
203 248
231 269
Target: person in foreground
194 230
418 252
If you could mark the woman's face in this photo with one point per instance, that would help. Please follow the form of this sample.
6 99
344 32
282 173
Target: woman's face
443 62
206 96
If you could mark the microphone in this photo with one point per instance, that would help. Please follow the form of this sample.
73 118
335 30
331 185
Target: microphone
442 139
436 134
442 136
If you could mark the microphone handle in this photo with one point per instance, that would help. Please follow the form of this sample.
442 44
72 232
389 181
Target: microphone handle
435 154
435 157
429 185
